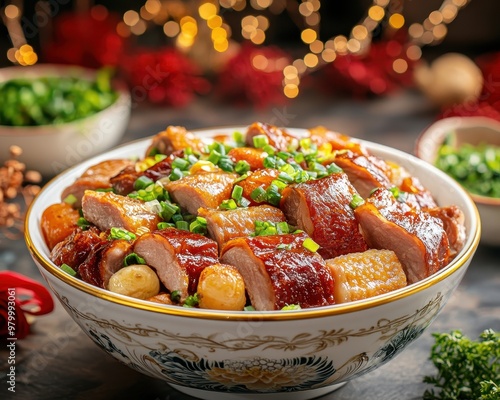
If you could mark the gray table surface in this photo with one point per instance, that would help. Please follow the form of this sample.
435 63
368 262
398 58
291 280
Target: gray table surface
57 361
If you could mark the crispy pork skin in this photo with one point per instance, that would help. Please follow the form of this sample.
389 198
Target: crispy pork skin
418 239
362 275
178 257
205 190
279 138
174 138
224 225
95 177
254 157
107 210
321 208
103 261
74 250
261 178
278 271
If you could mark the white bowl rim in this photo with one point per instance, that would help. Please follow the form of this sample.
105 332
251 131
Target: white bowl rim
459 261
461 122
119 87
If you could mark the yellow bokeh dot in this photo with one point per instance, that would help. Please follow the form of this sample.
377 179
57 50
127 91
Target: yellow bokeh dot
260 62
360 32
207 10
400 66
218 33
171 28
262 22
311 60
414 53
308 35
416 30
396 21
440 31
449 12
221 46
460 3
139 28
184 41
353 45
215 22
189 26
340 44
153 6
382 3
436 17
313 19
11 11
329 55
131 17
290 72
291 90
258 36
306 9
300 65
316 46
376 13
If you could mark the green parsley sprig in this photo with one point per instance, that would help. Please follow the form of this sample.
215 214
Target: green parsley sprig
467 369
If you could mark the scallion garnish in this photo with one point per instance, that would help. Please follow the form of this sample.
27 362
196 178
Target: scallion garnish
133 259
199 225
248 308
183 225
291 307
242 167
175 296
120 233
258 194
176 174
259 141
142 182
356 201
66 268
165 225
310 245
70 199
192 301
83 223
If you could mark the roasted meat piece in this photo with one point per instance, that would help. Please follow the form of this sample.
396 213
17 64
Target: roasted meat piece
278 271
261 178
418 239
74 250
321 136
254 157
224 225
174 138
205 190
365 172
103 261
453 223
58 221
279 138
321 208
95 177
178 257
362 275
107 210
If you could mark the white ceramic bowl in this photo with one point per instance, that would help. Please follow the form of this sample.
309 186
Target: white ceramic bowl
473 130
50 149
274 355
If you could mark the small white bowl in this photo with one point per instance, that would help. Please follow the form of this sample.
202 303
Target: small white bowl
472 130
50 149
220 355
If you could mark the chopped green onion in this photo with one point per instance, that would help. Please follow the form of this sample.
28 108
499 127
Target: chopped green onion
291 307
228 204
183 225
192 301
165 225
310 245
273 195
142 182
333 168
237 193
199 225
226 164
242 167
283 227
269 149
70 199
83 223
285 177
259 141
248 308
356 201
119 233
259 194
214 157
176 174
283 246
66 268
133 259
239 138
168 210
175 296
400 195
180 163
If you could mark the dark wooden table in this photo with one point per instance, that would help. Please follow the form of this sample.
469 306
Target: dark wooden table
57 361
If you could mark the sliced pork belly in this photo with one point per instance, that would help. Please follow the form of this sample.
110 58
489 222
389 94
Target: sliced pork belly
74 250
107 210
321 136
224 225
321 208
418 239
278 271
254 157
261 178
178 257
362 275
174 138
422 196
205 190
453 223
95 177
279 138
103 261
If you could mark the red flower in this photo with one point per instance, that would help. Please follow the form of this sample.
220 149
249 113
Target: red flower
20 295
